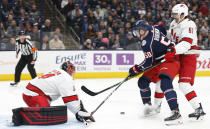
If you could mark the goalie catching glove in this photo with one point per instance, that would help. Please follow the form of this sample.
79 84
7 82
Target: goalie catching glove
83 115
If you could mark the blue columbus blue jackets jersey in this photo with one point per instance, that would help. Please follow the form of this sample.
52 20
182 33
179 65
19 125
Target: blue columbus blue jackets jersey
154 46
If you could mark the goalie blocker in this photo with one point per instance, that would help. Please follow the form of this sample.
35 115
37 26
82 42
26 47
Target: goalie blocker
39 115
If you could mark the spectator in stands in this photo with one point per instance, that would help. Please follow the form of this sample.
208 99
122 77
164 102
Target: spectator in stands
102 27
205 30
115 27
11 44
28 28
109 20
114 13
13 29
204 9
98 44
92 18
98 13
207 42
104 9
112 41
35 34
167 20
58 33
90 33
45 43
131 44
85 23
76 11
47 26
34 13
87 45
9 21
56 43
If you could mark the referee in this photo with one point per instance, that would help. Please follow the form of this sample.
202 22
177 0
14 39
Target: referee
28 57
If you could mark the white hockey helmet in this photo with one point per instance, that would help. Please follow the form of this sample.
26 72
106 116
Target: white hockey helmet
180 9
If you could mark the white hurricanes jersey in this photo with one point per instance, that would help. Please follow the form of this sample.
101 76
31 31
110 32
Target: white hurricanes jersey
184 31
55 84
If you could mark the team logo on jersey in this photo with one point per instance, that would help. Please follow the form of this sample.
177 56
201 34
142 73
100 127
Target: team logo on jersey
143 43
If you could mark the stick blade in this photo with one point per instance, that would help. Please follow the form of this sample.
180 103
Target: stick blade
87 91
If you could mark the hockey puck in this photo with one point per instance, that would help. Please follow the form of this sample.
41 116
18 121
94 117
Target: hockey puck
122 113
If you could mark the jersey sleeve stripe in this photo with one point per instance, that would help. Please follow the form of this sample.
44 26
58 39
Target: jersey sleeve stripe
70 98
189 40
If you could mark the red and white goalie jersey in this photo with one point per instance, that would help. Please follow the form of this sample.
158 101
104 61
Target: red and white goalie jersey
184 34
55 84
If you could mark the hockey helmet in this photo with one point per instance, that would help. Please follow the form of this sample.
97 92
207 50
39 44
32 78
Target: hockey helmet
68 67
140 25
180 9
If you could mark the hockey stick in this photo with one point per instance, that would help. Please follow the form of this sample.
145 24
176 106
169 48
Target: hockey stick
91 93
126 79
120 83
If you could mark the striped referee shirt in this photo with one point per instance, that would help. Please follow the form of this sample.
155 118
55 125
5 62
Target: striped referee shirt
26 48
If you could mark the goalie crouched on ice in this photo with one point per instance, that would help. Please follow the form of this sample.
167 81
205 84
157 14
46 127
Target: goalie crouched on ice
41 91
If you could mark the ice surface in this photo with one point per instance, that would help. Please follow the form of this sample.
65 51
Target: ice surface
125 99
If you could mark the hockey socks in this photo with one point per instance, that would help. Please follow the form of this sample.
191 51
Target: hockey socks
190 94
170 94
145 91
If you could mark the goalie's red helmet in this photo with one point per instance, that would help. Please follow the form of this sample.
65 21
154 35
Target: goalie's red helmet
68 67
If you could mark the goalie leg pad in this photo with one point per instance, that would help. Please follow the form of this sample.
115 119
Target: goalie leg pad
39 115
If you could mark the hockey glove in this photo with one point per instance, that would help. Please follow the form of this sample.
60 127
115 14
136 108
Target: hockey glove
83 115
170 54
135 70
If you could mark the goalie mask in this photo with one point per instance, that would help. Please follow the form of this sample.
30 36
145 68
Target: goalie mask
68 67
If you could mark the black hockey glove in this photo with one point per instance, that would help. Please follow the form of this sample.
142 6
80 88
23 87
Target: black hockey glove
83 114
135 70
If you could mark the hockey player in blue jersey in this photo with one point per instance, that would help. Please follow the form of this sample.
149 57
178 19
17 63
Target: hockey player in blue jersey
155 45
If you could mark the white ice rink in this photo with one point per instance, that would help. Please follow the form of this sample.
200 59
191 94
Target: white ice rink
125 99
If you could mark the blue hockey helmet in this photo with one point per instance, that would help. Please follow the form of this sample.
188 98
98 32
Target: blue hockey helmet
141 25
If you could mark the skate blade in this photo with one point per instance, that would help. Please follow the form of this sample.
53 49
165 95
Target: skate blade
151 114
196 119
174 122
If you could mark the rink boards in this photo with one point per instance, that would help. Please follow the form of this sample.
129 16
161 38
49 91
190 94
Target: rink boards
89 64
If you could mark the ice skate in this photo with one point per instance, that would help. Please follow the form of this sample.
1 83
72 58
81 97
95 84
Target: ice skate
198 114
14 84
150 110
174 119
